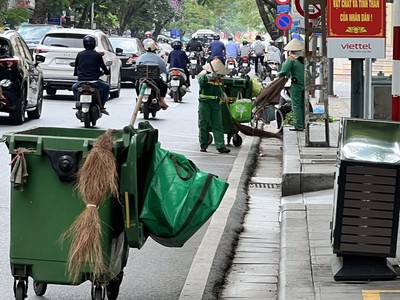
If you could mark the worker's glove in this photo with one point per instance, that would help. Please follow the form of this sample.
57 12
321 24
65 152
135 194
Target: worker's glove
212 76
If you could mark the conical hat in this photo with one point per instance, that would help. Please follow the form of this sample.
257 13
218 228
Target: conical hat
216 66
294 45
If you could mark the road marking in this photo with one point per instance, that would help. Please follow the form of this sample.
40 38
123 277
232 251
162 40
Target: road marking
376 294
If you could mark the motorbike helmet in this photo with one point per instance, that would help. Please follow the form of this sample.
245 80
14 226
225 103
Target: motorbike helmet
230 38
150 46
245 43
216 37
177 45
89 42
148 34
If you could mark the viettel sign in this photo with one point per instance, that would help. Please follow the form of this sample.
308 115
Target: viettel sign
356 28
356 18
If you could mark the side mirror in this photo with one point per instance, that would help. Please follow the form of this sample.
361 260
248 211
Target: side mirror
119 51
72 64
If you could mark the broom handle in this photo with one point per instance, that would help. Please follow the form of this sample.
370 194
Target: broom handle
137 106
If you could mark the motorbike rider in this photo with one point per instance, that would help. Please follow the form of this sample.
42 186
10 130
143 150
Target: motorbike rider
87 67
148 36
194 45
232 49
178 59
273 53
245 49
217 49
151 57
259 50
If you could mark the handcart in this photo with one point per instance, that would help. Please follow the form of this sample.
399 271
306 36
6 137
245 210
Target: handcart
45 206
233 86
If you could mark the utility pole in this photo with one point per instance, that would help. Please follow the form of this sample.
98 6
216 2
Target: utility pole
92 24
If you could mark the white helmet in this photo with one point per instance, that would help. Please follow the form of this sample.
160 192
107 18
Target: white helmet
150 46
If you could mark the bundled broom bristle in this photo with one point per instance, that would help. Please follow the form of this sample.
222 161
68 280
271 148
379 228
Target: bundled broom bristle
97 179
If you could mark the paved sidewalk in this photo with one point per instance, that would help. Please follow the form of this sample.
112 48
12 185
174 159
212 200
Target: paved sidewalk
284 249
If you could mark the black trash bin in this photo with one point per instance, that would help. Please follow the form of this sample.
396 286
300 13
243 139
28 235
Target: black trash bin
367 196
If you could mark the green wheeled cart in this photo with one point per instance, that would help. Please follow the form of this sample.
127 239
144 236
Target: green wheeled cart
48 203
233 86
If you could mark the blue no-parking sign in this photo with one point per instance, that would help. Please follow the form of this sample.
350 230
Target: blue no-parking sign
283 21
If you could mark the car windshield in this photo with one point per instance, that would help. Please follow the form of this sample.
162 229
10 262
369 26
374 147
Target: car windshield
67 40
33 32
127 45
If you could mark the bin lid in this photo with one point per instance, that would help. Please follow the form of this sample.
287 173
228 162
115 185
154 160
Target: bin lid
369 141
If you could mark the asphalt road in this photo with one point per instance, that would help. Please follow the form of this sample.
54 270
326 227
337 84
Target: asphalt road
154 272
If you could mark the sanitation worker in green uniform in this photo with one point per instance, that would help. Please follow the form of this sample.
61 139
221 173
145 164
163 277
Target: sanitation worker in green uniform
210 116
294 67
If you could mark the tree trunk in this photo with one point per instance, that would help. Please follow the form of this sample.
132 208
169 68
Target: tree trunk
40 13
84 15
267 19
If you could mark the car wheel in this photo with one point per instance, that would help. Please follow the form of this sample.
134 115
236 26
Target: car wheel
35 114
51 91
115 94
18 115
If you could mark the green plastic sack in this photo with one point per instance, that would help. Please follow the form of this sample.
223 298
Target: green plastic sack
179 198
241 110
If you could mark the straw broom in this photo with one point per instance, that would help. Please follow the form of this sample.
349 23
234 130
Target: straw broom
97 180
270 95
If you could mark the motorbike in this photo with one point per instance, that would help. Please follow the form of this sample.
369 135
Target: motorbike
147 89
177 83
88 101
231 66
272 69
244 65
194 58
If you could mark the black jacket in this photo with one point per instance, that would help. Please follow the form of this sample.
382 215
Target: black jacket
88 64
194 45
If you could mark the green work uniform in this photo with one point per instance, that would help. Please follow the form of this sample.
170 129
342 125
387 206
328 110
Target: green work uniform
295 68
210 116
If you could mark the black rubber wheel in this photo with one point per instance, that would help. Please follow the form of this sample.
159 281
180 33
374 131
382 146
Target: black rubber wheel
145 110
20 291
17 116
86 119
176 96
35 114
97 293
210 138
39 288
116 94
113 286
154 114
237 140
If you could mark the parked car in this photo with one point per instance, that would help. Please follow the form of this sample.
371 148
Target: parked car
59 48
132 48
33 33
21 80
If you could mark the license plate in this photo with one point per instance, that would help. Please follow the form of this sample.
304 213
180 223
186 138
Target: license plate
61 61
274 72
147 91
85 99
245 64
175 82
193 61
230 67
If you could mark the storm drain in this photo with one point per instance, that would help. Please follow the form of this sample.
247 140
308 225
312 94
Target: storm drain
262 185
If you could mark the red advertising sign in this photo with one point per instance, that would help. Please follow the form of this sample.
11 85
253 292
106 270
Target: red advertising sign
356 18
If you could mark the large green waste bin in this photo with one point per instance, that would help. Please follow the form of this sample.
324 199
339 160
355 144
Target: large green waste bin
49 203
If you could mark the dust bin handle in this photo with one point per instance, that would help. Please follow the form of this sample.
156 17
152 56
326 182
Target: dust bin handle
33 143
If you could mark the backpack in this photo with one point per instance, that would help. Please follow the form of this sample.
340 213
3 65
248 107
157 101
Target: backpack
259 48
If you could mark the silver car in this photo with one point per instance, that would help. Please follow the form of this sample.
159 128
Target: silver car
60 47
